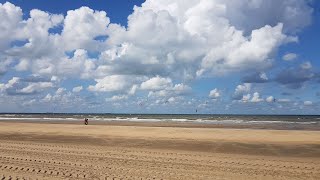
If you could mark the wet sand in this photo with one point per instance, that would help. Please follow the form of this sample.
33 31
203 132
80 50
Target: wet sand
65 150
271 126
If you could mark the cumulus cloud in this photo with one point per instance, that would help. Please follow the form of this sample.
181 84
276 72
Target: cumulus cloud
111 83
246 98
241 90
82 26
289 57
26 86
216 46
35 87
62 99
165 46
270 99
256 98
156 83
214 94
77 89
61 90
241 53
182 23
196 41
171 91
10 16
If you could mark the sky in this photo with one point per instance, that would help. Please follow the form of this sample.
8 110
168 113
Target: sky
168 56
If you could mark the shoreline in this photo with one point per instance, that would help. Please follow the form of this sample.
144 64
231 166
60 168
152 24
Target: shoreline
304 127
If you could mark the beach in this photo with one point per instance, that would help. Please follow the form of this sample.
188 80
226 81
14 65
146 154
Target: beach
71 150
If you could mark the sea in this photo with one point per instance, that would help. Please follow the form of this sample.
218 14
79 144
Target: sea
214 119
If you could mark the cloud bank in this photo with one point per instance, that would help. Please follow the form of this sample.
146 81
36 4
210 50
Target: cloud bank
165 47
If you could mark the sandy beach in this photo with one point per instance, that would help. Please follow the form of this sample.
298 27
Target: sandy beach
74 151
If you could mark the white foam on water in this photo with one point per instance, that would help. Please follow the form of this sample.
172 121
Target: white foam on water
134 119
179 120
37 118
17 118
218 120
9 115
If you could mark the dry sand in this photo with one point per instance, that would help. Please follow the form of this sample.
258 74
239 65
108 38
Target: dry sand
75 151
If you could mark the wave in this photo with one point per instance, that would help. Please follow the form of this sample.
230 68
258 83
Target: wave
37 118
218 121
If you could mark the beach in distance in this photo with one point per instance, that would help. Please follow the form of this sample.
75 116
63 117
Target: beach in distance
46 147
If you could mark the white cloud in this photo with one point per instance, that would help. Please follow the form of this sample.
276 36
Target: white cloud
26 86
270 99
112 83
256 98
171 99
289 56
306 65
169 91
4 65
195 28
47 98
243 88
133 89
2 87
62 99
240 52
60 90
283 100
23 65
246 98
215 93
156 83
30 102
77 89
181 89
82 26
165 42
10 16
117 98
34 87
200 37
307 103
80 66
240 90
263 76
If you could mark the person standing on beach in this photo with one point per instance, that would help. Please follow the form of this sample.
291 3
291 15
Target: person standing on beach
86 121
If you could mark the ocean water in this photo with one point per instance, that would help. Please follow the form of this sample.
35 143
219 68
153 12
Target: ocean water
186 118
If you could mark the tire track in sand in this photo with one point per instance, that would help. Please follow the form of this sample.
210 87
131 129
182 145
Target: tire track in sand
21 160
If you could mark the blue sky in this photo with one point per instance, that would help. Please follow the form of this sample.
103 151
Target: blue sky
170 56
118 11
